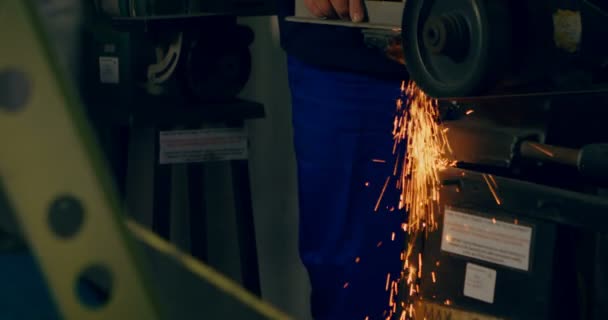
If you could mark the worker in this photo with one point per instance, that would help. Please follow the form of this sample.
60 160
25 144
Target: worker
343 100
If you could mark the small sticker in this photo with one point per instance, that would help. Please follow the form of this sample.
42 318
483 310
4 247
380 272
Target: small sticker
480 283
109 71
188 146
567 30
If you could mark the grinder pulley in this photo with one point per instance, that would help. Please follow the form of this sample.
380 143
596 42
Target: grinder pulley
455 47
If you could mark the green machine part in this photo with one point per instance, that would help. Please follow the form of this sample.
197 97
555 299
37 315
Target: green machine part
61 194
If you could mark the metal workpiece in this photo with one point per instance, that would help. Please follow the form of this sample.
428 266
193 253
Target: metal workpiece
385 15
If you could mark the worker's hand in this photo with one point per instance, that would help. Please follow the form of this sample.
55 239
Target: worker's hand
352 10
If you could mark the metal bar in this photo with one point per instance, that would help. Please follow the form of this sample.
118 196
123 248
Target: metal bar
380 15
54 176
161 211
245 226
198 211
195 290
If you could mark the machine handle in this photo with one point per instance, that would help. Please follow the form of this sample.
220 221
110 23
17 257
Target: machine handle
545 152
591 160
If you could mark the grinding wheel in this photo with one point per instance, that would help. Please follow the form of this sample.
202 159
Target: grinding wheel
456 48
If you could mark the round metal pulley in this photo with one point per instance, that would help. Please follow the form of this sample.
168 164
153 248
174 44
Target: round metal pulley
217 67
456 48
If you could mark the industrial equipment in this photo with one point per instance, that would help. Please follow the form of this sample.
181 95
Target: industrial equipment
466 48
167 48
522 93
55 185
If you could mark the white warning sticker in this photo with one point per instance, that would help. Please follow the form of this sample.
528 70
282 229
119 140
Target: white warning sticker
187 146
480 283
486 239
109 70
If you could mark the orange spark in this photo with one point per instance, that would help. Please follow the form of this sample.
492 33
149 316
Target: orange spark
438 263
366 317
393 236
433 276
357 260
367 183
388 280
492 190
378 161
470 111
379 244
346 285
396 166
448 302
543 150
425 147
382 194
494 220
423 153
494 183
516 221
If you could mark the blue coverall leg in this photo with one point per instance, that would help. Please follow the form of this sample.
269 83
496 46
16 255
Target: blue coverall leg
342 122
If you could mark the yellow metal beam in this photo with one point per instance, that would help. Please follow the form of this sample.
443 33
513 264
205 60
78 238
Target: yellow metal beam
53 175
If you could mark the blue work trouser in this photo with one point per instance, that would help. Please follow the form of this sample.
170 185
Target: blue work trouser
342 122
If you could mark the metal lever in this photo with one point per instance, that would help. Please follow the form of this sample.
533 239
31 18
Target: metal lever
590 160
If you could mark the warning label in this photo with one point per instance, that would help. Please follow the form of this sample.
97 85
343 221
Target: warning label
109 71
498 242
187 146
479 283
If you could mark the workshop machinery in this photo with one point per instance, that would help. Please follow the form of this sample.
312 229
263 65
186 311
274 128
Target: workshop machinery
188 50
522 91
466 48
59 193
